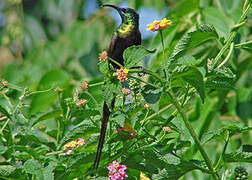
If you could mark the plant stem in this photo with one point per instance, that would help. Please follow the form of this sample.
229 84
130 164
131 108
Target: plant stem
5 124
138 79
92 97
232 35
55 152
243 44
223 151
96 84
58 131
117 63
7 99
228 56
164 60
150 73
193 134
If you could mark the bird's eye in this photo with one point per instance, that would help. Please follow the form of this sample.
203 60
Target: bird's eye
124 9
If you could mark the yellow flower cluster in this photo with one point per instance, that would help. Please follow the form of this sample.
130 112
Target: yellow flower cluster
68 147
143 177
159 25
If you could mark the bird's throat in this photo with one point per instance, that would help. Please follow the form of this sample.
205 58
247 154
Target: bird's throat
125 29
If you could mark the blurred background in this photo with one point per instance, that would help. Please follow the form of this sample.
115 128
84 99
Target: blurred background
39 35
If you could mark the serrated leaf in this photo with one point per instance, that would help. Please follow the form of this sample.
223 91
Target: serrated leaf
188 61
119 119
75 160
46 173
6 170
31 166
219 83
221 72
151 94
233 130
108 91
134 54
152 162
103 67
81 129
238 157
192 76
203 33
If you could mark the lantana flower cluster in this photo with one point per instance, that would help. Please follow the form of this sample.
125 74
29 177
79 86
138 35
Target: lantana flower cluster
117 171
159 25
68 147
122 74
103 56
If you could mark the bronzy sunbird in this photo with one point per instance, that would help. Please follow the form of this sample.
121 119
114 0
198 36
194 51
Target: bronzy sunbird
126 35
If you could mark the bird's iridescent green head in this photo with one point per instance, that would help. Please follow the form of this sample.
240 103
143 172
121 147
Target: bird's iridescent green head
130 19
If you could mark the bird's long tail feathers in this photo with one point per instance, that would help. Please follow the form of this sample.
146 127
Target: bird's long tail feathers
105 119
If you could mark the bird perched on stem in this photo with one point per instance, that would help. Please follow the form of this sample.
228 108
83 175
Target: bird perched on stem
126 35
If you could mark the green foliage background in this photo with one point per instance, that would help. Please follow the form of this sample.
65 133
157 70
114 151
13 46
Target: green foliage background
48 44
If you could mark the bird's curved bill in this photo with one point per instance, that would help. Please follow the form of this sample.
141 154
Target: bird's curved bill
115 7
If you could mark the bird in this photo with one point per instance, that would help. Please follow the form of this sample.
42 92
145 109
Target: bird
126 35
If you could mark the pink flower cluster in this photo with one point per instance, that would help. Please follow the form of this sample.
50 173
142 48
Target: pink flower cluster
122 74
117 171
132 134
68 147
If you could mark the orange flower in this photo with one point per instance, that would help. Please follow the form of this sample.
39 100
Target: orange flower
159 25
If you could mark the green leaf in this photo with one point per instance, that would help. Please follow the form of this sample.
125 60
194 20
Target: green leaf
119 119
188 41
109 90
49 115
151 94
103 67
52 79
219 83
3 149
188 61
84 128
46 173
31 166
216 18
192 76
183 8
161 166
6 170
238 157
221 72
4 111
220 133
246 148
75 160
220 78
134 54
182 144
